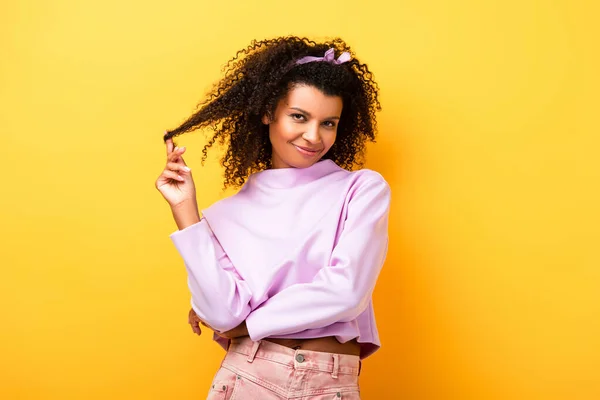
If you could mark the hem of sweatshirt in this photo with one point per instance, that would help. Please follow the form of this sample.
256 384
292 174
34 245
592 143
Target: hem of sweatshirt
367 346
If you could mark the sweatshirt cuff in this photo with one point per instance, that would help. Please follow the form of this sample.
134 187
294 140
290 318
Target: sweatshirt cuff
186 230
257 329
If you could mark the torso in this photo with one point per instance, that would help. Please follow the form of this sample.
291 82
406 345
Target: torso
327 344
272 254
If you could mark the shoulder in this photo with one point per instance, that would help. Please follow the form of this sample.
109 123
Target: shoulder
368 179
368 190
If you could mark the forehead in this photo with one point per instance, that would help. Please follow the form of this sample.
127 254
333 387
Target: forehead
314 101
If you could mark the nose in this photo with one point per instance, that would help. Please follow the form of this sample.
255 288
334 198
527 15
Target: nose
312 134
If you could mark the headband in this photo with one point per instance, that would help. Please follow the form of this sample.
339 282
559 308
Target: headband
328 57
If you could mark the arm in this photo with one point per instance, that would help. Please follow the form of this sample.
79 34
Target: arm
220 297
341 291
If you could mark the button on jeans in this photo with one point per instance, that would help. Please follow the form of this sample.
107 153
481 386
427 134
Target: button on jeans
264 370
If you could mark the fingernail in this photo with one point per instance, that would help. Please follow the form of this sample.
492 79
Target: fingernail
186 169
180 177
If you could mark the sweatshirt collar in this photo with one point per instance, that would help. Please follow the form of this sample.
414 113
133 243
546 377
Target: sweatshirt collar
281 178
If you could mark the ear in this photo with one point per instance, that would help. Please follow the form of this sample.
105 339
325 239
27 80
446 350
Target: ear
265 119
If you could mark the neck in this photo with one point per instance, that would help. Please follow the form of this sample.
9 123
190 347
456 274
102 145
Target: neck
286 176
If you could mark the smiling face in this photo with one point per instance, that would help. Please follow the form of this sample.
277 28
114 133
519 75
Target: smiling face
304 127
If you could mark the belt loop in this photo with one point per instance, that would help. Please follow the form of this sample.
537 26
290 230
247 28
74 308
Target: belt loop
336 365
253 351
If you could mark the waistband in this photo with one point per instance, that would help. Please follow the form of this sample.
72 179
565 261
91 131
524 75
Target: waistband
298 359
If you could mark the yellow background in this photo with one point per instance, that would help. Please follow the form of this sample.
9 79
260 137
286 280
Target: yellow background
489 139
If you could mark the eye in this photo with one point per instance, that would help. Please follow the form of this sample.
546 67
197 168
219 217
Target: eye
297 117
329 124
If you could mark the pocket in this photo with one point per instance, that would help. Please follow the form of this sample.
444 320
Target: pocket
353 395
223 386
341 395
218 391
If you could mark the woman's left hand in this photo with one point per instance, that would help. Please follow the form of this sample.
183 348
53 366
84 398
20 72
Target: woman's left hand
238 331
195 322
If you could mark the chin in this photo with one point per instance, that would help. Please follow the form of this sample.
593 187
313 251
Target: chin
295 159
304 163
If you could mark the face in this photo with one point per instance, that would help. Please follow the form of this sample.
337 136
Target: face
304 127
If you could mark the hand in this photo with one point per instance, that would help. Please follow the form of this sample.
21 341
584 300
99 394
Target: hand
175 183
238 331
195 322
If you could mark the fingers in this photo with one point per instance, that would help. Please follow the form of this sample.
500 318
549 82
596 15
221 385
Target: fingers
171 166
193 321
169 144
175 171
173 175
175 155
196 328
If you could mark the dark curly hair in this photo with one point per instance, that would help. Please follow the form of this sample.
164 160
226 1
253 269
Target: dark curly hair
262 74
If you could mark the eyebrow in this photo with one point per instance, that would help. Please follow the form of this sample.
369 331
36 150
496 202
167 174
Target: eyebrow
307 113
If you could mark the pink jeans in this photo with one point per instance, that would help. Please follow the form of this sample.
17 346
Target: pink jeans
263 371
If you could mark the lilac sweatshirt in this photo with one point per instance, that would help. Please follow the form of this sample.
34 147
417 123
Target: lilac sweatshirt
295 253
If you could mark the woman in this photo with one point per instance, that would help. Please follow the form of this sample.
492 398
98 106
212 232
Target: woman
283 271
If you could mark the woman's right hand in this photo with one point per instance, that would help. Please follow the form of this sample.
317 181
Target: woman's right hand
175 183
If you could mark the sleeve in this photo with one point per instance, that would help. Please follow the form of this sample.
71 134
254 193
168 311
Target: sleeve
220 296
340 291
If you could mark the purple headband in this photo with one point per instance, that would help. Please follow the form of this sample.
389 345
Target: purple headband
329 57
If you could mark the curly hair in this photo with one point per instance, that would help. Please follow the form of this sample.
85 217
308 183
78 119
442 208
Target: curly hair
258 77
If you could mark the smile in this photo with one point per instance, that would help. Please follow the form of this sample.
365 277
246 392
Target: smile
307 152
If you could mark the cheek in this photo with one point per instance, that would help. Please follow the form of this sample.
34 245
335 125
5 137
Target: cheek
274 135
329 140
282 132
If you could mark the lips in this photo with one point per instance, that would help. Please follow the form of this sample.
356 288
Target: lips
307 149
